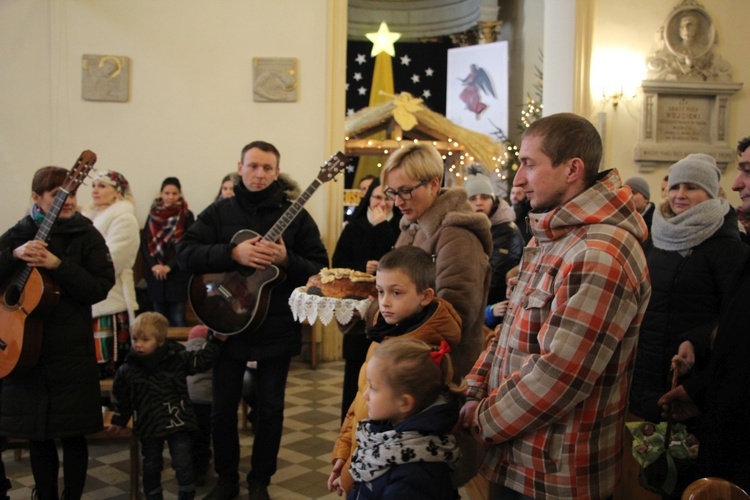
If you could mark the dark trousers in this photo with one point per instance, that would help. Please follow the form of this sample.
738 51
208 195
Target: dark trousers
173 311
202 437
270 378
45 466
180 447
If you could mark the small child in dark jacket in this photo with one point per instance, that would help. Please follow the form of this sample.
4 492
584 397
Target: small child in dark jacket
151 386
405 448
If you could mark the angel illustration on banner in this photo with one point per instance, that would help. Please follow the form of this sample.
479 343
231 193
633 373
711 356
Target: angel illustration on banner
477 80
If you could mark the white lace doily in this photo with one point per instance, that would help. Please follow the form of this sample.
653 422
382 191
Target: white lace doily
313 307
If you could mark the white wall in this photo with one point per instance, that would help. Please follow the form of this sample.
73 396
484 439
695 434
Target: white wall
191 108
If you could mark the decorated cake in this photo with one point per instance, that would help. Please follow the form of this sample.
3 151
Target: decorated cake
342 283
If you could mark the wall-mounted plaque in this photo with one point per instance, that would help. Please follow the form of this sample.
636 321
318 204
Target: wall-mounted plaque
686 94
105 78
274 79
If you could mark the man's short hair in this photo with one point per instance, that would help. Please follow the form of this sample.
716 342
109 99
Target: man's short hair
567 135
153 322
414 262
263 146
418 161
743 145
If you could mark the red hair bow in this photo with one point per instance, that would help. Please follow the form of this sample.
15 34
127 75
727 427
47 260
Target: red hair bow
437 356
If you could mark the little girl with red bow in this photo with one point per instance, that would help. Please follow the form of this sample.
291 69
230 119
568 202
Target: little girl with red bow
405 448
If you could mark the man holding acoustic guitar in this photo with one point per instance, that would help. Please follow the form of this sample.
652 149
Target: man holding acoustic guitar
254 270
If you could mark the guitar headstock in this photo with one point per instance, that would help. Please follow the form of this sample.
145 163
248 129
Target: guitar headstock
332 167
79 171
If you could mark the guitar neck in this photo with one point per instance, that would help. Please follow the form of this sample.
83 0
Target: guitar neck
51 216
287 217
43 233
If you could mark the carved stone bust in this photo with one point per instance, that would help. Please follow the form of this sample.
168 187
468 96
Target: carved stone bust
685 48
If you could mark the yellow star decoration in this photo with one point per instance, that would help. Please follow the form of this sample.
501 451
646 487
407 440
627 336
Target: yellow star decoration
383 41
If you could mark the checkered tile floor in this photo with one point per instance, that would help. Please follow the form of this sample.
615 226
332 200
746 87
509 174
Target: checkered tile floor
311 423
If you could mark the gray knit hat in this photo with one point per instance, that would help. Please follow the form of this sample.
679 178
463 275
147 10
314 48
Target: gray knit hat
477 182
639 185
699 169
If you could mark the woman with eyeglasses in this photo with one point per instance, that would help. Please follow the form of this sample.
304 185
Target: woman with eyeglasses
442 222
370 234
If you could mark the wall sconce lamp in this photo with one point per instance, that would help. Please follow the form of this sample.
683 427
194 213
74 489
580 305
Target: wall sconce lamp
616 74
616 95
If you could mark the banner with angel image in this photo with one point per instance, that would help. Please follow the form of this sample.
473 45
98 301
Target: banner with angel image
477 89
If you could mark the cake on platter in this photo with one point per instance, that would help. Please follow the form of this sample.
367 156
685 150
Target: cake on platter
341 283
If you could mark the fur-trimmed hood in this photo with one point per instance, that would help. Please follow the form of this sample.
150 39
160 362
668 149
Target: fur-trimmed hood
452 208
291 188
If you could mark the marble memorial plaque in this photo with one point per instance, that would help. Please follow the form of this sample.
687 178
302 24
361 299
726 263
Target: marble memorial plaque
684 119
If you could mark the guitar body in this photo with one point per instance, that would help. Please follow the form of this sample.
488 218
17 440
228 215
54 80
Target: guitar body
232 302
21 321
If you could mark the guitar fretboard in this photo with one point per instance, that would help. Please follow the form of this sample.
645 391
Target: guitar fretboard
289 215
43 233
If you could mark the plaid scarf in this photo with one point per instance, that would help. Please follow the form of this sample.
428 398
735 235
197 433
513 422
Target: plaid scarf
166 226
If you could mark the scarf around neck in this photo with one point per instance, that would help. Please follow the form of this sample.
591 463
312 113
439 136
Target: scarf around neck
377 452
690 228
166 226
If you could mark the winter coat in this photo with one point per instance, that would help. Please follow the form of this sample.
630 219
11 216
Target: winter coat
206 248
442 323
687 295
119 226
507 247
460 241
60 396
360 241
722 391
175 287
552 386
418 479
522 210
153 389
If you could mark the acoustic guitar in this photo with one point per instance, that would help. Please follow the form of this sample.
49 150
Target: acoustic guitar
30 293
237 301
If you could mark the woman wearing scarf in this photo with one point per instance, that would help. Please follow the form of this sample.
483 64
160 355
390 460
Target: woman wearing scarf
113 214
58 397
167 221
695 253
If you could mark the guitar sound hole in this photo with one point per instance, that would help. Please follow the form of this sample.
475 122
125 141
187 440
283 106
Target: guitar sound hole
12 296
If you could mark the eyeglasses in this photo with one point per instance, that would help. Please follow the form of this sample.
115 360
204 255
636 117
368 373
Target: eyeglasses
403 193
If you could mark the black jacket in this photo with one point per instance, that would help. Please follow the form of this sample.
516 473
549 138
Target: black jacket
153 389
359 242
722 392
507 248
686 297
60 396
207 248
522 210
175 287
